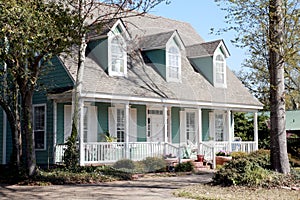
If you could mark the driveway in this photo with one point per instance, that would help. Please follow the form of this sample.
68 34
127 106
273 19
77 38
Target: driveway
140 189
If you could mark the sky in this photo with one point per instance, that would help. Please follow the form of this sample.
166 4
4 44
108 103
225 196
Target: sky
203 15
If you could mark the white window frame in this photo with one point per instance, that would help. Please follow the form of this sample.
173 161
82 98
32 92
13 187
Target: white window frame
188 131
213 128
121 57
219 70
45 125
173 60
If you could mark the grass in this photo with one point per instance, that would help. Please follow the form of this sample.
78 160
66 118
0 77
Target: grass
210 192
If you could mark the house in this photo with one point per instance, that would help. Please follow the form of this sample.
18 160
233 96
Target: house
151 83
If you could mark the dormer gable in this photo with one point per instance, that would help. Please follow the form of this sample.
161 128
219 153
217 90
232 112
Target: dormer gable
164 50
117 50
210 60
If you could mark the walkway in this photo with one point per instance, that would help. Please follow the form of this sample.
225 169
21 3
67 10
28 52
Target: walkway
142 189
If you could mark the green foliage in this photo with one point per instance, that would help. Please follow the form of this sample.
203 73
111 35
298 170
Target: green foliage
71 155
243 128
154 164
250 170
184 167
239 154
124 164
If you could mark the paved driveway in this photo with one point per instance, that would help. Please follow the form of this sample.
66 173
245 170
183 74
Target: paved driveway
143 188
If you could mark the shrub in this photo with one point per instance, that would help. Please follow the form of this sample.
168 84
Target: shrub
241 172
184 167
154 164
124 164
239 154
260 157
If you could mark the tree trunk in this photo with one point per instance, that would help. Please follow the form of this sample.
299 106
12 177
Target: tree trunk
27 130
279 156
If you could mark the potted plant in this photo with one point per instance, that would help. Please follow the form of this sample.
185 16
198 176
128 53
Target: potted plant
222 157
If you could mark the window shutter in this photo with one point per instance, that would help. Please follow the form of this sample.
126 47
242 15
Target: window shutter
211 126
92 124
182 128
67 121
133 125
112 119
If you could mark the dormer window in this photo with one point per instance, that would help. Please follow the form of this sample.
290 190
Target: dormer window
173 63
117 55
220 71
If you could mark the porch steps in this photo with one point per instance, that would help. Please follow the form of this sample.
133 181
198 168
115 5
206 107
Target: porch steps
198 166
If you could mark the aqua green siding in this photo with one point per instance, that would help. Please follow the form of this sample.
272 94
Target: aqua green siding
205 66
205 125
175 116
98 51
158 59
141 122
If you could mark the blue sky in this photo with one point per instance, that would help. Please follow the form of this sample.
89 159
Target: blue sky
203 15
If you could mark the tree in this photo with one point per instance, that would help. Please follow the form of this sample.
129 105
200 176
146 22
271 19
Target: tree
34 31
269 29
92 15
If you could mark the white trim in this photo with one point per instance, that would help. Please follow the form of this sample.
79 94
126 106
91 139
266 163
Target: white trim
216 84
173 43
165 116
127 121
81 130
181 103
199 132
255 130
45 120
54 129
4 138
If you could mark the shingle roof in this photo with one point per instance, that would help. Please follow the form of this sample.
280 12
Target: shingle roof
143 81
203 49
155 41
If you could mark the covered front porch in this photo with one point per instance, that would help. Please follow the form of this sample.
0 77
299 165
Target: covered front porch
150 129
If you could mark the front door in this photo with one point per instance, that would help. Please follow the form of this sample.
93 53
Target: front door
155 126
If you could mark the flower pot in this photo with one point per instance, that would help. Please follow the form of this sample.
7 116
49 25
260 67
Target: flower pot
221 160
200 158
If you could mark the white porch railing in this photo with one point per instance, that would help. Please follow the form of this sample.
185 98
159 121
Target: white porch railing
109 152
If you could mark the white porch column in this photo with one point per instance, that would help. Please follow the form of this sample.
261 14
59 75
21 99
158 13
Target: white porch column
4 139
255 131
127 120
199 135
54 129
165 131
81 131
229 130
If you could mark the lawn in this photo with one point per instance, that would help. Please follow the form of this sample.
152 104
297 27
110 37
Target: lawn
209 192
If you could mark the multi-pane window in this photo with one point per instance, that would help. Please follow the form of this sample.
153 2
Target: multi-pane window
85 124
191 126
120 125
220 69
174 62
39 126
219 127
117 56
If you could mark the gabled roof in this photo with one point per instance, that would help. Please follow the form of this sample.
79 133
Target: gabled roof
143 81
205 49
156 41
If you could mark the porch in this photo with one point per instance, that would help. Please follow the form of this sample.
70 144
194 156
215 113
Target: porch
97 153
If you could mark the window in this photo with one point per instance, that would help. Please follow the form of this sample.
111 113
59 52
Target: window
120 125
173 63
85 124
39 126
219 127
118 57
220 70
191 126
